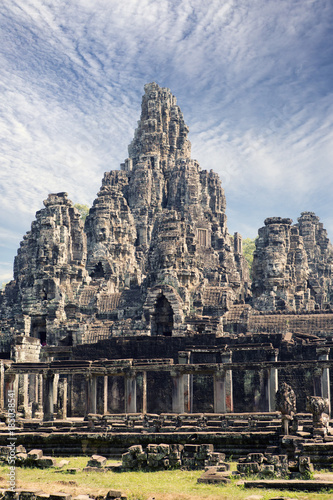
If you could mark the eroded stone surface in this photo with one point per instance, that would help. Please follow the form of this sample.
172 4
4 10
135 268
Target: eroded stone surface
155 248
155 256
292 265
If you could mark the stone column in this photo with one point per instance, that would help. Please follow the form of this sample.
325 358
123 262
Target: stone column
325 388
48 397
9 387
184 358
40 393
272 381
25 392
62 399
105 394
69 394
55 388
91 394
177 392
2 385
130 393
144 392
223 392
16 389
37 403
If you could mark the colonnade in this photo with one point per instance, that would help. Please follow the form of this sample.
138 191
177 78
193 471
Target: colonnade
38 387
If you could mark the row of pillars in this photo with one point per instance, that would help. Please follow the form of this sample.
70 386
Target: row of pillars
50 389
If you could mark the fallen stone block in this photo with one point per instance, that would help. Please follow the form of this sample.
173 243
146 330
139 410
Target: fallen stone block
267 470
212 476
30 495
46 462
96 461
42 496
249 468
82 497
35 454
21 458
73 470
60 496
11 495
113 494
95 469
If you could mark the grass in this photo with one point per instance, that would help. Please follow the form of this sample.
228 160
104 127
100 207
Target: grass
161 485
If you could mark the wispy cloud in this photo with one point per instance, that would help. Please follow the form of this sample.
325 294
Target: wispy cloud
252 78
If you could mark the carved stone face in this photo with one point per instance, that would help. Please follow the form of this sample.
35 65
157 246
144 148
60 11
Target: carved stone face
277 235
275 265
102 231
153 94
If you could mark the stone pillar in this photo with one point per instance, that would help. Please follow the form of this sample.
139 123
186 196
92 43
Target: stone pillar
2 385
48 397
105 394
177 392
184 358
223 393
55 388
69 394
9 386
40 392
91 394
325 388
144 392
37 403
16 389
130 393
62 398
25 392
272 381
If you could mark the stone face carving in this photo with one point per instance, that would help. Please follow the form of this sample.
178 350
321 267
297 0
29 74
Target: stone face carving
155 256
292 265
48 271
319 253
111 236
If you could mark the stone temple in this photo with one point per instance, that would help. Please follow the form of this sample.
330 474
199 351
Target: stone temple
149 306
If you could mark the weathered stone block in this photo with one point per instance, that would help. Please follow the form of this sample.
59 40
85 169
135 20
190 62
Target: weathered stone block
249 468
267 470
35 454
21 458
20 449
255 457
113 494
46 462
30 495
96 461
60 496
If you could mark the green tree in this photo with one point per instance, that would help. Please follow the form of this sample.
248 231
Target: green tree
83 209
249 246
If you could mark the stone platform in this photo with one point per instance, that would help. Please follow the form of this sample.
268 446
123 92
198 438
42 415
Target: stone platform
113 445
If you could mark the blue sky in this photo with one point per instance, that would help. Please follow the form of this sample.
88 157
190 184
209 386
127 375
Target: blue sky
254 79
